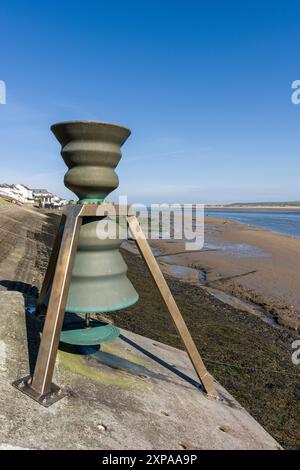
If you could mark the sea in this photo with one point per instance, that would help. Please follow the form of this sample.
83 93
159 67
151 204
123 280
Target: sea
280 221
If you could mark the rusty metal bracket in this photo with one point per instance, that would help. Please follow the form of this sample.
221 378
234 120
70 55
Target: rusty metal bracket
24 385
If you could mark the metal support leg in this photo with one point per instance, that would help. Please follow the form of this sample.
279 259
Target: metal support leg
145 250
49 276
41 387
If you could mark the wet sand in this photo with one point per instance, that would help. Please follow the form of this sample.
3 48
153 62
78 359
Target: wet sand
251 264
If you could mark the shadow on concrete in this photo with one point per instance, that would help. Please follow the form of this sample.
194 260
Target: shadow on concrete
29 292
33 325
97 357
163 363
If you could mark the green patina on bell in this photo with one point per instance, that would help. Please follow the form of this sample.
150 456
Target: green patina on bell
99 282
88 333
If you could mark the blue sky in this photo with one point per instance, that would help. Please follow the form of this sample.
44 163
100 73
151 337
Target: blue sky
204 86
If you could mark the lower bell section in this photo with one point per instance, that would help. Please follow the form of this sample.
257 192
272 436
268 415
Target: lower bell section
93 333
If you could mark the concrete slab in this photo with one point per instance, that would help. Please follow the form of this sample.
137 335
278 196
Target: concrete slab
135 393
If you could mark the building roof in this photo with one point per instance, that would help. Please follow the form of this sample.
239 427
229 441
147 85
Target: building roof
41 191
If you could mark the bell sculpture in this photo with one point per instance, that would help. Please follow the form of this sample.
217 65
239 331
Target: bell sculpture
99 283
86 273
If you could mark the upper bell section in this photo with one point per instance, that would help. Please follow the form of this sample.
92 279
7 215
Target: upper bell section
91 150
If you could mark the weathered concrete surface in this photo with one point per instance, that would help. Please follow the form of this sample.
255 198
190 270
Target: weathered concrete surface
128 396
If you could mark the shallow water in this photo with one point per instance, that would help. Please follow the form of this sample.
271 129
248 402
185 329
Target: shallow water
285 222
185 272
239 250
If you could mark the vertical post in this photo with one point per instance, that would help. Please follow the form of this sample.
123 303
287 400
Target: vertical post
145 250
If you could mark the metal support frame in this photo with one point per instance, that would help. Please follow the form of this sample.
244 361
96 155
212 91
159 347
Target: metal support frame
59 273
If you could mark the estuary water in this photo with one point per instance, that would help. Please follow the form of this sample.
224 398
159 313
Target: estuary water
280 221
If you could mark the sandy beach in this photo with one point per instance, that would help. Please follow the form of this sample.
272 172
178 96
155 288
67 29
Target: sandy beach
253 265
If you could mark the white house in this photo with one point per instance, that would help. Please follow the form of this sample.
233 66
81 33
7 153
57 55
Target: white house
58 202
18 192
22 194
11 192
25 192
48 199
44 196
